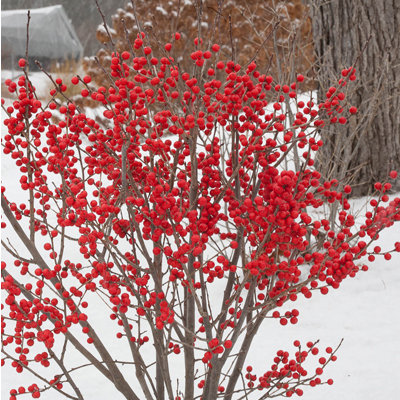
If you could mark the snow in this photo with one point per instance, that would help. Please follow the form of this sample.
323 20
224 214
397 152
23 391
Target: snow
129 15
363 311
162 10
41 11
203 24
101 29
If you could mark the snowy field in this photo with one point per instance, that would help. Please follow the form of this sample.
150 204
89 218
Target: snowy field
364 311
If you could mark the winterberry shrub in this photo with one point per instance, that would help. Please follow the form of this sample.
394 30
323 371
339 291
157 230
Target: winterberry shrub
178 223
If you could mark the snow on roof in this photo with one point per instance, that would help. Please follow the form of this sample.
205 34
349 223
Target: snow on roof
42 10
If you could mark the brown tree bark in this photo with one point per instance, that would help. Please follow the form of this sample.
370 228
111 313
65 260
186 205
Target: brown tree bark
365 149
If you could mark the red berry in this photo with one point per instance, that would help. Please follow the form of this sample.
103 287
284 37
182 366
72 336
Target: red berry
324 290
125 55
228 344
353 110
347 189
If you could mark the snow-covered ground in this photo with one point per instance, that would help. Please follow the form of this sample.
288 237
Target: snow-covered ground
364 311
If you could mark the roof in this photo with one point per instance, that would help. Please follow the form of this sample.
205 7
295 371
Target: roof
51 33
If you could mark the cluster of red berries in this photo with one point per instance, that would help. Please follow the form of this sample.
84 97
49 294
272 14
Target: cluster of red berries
286 374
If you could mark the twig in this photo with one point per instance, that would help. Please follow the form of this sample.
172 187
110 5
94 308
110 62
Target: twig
127 37
107 74
105 24
231 37
27 37
55 85
263 43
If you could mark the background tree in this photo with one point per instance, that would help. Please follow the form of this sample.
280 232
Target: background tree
363 149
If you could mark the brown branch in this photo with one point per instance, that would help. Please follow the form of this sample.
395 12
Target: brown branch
39 376
127 37
117 377
105 23
262 45
27 37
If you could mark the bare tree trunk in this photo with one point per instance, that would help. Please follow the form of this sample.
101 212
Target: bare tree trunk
367 147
